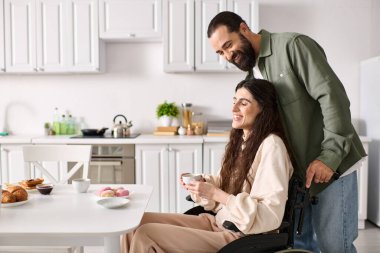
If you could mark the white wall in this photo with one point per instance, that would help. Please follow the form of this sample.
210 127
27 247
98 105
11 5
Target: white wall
134 82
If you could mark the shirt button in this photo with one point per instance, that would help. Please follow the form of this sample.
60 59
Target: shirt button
281 75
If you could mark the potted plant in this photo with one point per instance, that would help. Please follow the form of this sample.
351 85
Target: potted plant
165 113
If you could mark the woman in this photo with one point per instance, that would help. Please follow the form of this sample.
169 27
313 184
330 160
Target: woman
250 190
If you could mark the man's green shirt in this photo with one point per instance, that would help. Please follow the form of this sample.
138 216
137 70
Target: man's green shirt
313 103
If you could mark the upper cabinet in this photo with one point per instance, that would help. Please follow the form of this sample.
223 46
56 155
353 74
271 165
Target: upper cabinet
85 48
178 35
130 19
20 35
51 36
186 46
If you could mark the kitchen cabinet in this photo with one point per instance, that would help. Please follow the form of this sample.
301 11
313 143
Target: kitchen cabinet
86 51
186 46
50 36
178 35
12 163
161 165
130 19
20 35
212 157
14 169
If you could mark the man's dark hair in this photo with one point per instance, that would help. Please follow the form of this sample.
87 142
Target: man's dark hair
227 18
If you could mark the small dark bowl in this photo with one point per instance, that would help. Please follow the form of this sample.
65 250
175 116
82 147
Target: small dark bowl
44 189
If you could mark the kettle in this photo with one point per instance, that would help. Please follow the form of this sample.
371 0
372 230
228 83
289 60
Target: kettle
121 129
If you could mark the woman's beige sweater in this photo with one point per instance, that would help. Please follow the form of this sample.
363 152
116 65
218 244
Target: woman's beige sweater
260 208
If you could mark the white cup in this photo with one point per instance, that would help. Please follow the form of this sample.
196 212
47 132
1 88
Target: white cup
187 178
81 184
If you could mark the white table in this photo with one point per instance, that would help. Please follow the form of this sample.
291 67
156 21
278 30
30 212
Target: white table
67 218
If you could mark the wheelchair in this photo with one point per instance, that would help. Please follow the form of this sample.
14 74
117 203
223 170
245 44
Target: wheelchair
281 242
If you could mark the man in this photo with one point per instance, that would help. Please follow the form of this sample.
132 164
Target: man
315 111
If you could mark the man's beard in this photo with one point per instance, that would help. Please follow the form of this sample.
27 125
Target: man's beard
246 55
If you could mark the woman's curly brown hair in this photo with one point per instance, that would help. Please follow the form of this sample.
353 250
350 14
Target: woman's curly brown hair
237 161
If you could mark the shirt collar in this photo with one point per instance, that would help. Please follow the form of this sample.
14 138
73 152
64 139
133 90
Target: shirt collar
265 45
265 50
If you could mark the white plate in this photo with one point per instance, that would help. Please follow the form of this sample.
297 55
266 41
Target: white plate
112 202
14 204
6 185
123 197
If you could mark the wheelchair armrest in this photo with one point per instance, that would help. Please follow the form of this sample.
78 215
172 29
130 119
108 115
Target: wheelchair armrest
230 226
283 225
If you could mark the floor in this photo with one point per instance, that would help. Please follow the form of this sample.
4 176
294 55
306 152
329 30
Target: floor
368 241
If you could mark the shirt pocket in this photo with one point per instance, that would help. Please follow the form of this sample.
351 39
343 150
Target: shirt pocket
288 87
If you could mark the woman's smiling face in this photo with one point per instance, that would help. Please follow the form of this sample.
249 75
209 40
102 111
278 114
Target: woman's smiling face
244 110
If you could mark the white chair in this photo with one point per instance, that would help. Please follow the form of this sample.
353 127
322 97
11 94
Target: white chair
38 159
36 155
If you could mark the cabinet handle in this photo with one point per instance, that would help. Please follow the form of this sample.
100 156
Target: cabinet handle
5 149
35 69
106 163
170 149
132 35
3 70
41 69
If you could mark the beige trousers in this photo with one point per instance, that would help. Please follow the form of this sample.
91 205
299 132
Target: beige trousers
176 233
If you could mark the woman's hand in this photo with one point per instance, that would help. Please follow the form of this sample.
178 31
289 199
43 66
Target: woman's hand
207 191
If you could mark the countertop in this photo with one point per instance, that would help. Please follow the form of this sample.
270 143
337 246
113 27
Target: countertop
141 139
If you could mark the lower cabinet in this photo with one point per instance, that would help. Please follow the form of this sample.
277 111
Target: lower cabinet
161 165
13 167
12 163
212 157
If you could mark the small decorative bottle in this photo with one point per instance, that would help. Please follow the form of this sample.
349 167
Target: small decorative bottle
56 121
71 125
189 130
63 125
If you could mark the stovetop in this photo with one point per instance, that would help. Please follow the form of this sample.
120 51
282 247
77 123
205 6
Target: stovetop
131 136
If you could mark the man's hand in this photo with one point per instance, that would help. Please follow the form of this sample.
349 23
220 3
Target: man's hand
319 171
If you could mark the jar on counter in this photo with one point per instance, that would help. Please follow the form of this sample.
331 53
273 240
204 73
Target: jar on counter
198 123
186 114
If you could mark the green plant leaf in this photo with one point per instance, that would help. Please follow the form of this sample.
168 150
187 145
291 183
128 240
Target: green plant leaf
168 109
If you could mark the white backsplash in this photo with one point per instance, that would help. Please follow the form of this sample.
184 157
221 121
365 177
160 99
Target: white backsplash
134 81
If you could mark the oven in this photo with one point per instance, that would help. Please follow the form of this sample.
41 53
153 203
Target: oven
112 164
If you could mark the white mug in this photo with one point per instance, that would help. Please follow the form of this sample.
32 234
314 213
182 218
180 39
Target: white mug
187 178
81 185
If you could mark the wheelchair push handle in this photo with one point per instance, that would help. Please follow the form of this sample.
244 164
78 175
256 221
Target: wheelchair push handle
311 199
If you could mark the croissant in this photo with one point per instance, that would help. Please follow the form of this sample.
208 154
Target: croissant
31 183
19 193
